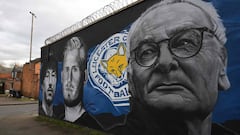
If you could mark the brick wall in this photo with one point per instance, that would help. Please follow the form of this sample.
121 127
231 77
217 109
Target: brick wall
31 79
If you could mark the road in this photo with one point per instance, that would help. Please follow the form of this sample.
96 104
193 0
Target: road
14 110
18 119
21 119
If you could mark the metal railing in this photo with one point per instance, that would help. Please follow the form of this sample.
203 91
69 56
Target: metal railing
106 11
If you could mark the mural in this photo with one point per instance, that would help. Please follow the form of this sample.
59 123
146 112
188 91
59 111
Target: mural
107 82
48 88
166 73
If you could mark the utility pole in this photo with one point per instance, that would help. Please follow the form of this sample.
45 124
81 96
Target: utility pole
30 65
33 16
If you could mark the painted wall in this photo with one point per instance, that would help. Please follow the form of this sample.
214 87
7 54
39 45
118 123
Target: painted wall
84 80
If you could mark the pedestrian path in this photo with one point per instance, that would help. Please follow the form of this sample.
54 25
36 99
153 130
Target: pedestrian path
20 117
32 125
7 100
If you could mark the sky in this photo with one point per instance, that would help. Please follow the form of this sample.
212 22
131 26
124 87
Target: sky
52 16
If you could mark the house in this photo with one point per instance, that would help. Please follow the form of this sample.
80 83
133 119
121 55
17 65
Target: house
4 77
31 78
22 80
16 84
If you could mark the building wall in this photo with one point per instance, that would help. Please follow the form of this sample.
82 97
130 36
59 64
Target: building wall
96 100
17 85
30 79
26 80
6 78
36 80
37 68
8 84
17 82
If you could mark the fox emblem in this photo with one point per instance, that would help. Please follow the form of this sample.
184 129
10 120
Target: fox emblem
117 63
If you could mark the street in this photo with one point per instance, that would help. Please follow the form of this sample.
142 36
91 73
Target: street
14 110
19 117
22 120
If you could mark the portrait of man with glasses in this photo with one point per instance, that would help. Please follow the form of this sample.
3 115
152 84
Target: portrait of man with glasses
177 65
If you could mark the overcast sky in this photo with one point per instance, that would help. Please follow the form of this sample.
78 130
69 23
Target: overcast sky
52 17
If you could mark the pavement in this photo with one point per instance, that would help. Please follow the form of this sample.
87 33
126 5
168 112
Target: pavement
6 100
19 116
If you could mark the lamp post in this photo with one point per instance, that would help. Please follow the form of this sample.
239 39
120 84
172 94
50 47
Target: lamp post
33 15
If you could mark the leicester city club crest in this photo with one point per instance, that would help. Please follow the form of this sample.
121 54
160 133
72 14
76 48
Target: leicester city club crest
107 69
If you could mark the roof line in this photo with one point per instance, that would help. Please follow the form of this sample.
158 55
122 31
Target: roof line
108 10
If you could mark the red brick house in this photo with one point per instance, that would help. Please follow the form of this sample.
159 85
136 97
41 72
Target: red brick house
31 79
4 77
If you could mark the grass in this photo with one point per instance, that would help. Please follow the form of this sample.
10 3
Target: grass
71 128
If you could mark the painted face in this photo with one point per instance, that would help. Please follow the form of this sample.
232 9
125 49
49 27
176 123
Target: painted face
72 78
49 85
175 67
